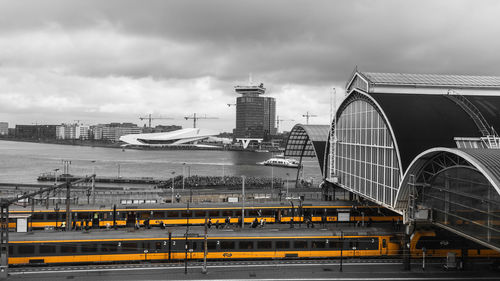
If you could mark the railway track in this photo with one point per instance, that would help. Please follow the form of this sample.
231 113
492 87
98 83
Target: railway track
177 265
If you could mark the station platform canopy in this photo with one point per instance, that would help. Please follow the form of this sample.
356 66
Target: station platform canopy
458 189
308 141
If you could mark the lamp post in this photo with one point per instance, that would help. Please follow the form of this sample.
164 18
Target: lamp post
243 201
272 179
173 173
55 183
89 192
341 248
93 182
287 175
55 176
56 209
183 173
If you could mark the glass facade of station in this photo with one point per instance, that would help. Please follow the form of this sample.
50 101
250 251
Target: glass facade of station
366 159
462 198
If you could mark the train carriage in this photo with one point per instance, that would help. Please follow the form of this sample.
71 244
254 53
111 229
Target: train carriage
156 245
270 213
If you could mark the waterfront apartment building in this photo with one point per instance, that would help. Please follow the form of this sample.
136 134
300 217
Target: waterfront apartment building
73 131
255 115
113 131
4 128
36 131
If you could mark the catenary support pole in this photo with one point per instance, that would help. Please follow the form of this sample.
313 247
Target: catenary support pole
243 201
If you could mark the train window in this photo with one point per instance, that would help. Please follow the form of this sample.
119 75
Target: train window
267 212
158 246
47 249
89 248
11 250
109 247
145 215
212 245
253 213
26 249
129 247
83 215
186 214
158 214
172 214
213 213
264 244
246 245
37 216
52 216
300 244
282 244
227 213
318 244
194 245
351 244
227 245
369 243
199 214
334 244
68 249
331 212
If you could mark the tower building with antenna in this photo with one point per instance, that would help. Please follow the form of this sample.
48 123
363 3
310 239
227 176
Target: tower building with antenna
255 114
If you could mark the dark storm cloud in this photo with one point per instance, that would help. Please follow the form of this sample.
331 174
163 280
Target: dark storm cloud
316 41
291 46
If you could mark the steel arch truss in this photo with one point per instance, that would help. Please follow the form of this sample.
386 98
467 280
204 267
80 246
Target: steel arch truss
439 163
307 141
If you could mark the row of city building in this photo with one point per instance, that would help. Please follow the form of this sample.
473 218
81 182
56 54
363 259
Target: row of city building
107 132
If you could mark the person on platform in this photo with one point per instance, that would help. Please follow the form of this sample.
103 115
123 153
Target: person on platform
255 223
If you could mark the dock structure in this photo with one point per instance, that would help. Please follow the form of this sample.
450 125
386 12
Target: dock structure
133 180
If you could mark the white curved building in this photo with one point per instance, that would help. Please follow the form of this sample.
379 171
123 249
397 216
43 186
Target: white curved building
188 137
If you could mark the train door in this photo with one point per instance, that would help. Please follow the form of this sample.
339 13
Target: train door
383 247
131 217
277 216
95 220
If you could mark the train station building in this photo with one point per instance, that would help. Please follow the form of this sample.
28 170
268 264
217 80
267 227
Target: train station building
423 145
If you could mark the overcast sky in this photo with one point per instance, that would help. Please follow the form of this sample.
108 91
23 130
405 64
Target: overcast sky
113 61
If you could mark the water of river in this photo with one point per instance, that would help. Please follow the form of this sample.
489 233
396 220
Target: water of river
22 162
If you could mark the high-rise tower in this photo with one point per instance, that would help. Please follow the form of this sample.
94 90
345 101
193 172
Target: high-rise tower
255 115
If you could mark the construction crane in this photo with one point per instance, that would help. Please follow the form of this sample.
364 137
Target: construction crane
307 116
231 104
194 117
278 120
149 118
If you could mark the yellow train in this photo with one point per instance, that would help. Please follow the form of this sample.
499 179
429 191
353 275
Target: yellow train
105 246
439 243
171 216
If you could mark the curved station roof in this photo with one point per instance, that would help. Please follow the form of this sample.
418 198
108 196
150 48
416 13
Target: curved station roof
423 142
308 141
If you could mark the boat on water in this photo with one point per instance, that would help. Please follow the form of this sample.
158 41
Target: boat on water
281 162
